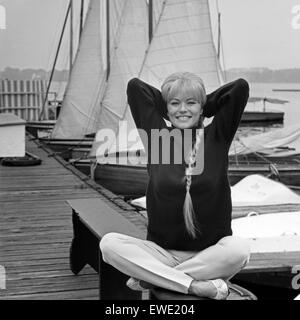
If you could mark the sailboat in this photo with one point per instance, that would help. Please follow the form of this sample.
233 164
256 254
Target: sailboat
254 115
117 44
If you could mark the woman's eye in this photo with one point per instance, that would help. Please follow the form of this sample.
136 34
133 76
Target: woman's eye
174 103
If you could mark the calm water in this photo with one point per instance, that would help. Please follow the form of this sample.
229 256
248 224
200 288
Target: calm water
291 109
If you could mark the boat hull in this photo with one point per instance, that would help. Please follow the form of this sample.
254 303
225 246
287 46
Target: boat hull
35 127
259 116
67 147
131 181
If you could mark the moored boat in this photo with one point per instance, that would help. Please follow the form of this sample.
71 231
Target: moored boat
131 180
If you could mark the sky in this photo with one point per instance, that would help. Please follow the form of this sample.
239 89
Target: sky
260 33
255 33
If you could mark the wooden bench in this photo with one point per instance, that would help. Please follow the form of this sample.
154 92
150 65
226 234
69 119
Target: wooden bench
92 219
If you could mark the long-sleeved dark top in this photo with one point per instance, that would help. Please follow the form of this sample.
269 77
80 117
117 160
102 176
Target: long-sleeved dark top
210 190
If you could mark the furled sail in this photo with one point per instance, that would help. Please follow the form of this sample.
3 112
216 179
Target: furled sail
275 142
81 104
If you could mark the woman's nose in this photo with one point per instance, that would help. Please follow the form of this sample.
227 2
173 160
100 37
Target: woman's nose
182 107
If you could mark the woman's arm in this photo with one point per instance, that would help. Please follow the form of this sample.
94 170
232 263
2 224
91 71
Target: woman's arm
147 105
227 104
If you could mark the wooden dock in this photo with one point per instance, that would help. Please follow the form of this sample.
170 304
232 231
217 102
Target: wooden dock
36 229
36 233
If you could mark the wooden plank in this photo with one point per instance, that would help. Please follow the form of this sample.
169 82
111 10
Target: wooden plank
23 253
28 257
44 271
53 233
90 294
38 262
101 218
53 287
8 242
28 284
33 246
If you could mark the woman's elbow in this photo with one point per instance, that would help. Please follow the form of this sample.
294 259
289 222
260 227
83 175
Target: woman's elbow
132 85
243 85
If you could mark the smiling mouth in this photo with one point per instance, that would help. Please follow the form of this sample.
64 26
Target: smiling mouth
183 118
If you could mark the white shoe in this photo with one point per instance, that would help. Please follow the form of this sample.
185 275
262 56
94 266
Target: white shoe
222 289
134 284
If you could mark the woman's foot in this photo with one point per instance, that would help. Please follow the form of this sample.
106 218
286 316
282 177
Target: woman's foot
213 289
138 285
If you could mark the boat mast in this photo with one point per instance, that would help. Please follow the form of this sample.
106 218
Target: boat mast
150 11
54 63
107 40
219 35
81 18
220 47
71 36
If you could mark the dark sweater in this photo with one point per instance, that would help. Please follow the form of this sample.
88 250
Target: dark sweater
210 191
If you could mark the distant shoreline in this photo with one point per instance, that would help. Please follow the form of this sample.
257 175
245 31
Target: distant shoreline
265 75
253 75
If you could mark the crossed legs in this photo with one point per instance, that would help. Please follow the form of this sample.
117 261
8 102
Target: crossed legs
179 271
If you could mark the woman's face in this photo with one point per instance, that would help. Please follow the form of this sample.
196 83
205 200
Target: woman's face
184 111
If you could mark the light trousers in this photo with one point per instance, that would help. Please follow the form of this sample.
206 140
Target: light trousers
172 269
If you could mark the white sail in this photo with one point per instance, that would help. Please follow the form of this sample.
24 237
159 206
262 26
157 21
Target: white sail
81 104
127 58
131 43
182 41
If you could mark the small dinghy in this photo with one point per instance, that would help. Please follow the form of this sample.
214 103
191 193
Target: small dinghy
253 192
275 232
28 160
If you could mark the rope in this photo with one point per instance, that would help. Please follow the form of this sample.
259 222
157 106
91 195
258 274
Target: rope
93 167
272 166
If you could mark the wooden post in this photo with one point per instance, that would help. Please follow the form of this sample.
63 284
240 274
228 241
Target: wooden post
26 101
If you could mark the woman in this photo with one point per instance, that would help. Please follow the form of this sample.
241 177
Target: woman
189 247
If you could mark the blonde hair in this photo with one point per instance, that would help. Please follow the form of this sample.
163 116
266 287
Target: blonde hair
191 83
184 82
188 209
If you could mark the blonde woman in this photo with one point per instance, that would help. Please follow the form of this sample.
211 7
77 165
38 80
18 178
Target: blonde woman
189 247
